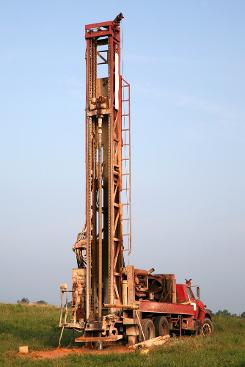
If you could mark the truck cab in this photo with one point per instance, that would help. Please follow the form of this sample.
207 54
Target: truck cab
186 296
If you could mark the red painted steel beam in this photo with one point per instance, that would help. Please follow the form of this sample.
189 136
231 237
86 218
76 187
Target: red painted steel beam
97 34
97 25
168 308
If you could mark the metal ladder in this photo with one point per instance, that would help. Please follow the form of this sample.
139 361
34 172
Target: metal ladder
126 168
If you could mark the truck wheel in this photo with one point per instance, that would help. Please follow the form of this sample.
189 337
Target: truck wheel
148 329
207 327
161 326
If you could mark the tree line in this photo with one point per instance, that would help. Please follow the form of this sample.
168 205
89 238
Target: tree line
26 301
225 312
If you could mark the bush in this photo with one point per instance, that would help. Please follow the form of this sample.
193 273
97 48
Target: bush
24 301
41 302
223 313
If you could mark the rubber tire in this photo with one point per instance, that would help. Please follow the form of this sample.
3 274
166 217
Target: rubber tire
148 329
207 327
161 326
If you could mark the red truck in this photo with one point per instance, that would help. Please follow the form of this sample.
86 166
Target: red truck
178 311
151 305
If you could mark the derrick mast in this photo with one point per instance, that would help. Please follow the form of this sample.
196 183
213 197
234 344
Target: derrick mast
107 231
103 167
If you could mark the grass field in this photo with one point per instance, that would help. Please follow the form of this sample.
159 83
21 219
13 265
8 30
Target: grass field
36 326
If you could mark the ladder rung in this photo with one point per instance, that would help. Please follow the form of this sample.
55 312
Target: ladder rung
125 189
125 145
126 174
125 219
125 159
125 100
126 234
126 204
125 129
125 114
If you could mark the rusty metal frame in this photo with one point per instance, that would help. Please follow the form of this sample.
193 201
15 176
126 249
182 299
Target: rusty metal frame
103 174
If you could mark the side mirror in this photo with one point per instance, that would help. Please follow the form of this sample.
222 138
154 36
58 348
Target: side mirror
198 292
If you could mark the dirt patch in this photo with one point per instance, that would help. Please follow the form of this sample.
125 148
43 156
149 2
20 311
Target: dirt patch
63 352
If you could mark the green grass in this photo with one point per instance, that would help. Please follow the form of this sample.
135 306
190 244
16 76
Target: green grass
36 326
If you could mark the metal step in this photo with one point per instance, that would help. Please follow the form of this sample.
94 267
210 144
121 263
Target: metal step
104 339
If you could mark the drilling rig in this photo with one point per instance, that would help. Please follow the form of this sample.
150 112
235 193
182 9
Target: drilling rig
112 301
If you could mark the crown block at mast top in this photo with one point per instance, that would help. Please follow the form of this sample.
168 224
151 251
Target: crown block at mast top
104 28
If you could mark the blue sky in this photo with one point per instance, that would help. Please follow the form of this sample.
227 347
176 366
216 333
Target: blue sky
185 62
